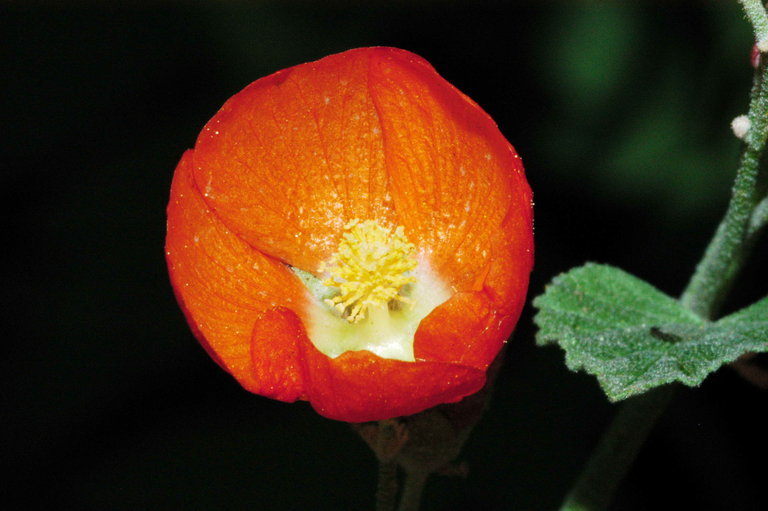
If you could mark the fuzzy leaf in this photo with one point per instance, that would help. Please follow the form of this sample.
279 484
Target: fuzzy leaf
755 315
633 337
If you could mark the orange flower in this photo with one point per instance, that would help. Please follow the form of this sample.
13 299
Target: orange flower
354 232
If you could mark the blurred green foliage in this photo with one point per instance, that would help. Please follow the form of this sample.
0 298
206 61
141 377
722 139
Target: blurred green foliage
620 112
648 98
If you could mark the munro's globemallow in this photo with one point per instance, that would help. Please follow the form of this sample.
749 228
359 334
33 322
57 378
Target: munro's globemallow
354 232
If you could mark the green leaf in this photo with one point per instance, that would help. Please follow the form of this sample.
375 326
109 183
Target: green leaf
747 328
633 337
755 315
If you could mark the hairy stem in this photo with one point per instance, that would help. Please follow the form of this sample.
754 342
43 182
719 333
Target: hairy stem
727 251
759 219
412 491
617 450
386 489
757 17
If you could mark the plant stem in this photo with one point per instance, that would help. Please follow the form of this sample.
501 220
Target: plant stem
386 489
711 281
617 450
759 219
412 491
757 17
726 252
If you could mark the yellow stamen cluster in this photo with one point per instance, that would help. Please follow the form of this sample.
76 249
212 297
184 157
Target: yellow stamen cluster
369 268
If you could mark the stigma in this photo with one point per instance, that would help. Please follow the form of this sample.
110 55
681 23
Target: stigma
371 271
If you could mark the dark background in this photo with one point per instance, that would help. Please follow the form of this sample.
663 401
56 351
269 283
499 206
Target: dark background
621 113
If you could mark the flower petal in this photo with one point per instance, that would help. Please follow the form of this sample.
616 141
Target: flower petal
291 159
274 354
465 330
223 286
359 386
454 178
472 326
